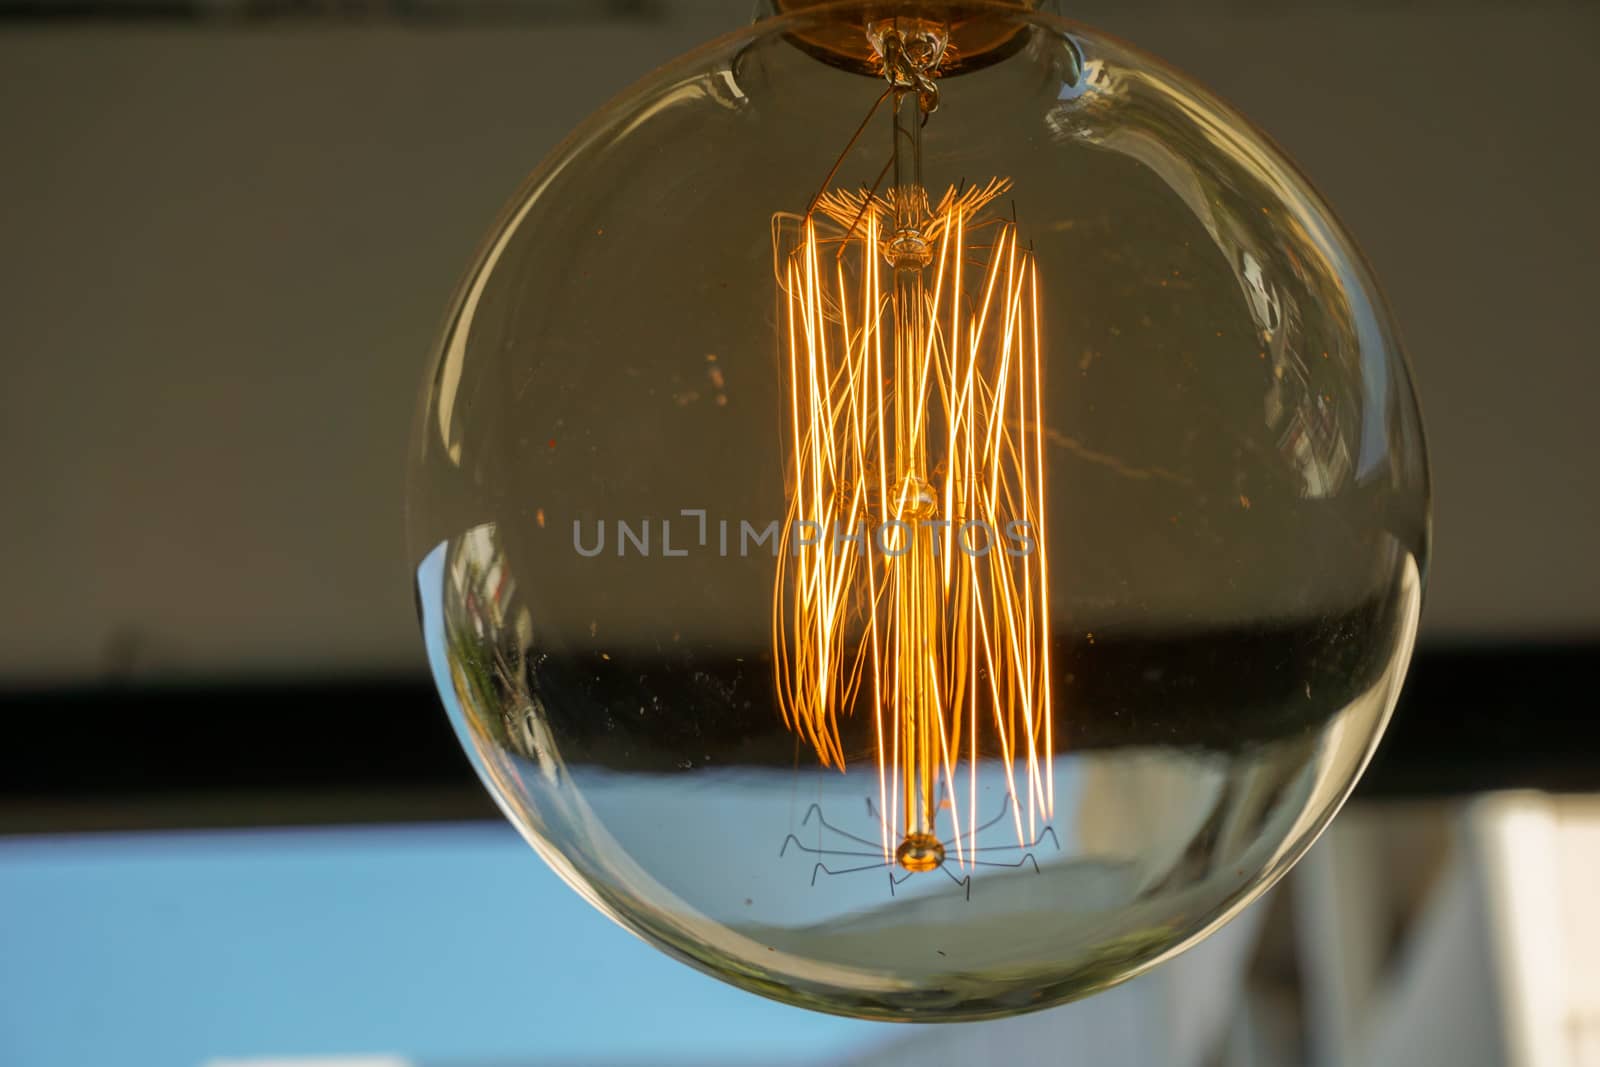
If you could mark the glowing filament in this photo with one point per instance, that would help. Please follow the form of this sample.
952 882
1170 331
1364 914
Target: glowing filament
913 580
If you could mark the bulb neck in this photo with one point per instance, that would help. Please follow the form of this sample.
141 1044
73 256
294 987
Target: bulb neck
980 32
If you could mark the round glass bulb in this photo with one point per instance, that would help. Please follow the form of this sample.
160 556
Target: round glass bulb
924 536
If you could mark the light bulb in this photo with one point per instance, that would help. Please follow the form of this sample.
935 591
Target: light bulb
920 511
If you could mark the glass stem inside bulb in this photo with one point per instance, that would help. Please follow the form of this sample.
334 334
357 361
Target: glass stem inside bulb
915 592
910 195
909 64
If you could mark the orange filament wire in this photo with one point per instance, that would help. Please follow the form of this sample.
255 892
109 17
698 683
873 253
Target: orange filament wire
913 578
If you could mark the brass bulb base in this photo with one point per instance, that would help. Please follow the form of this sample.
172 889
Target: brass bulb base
979 33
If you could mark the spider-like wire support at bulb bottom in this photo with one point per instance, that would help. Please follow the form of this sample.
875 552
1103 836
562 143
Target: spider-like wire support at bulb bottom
895 868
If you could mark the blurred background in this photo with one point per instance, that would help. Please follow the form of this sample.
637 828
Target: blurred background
234 824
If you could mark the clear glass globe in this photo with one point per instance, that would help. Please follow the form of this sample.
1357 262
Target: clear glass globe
919 607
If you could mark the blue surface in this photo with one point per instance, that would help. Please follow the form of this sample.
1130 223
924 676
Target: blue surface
450 943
